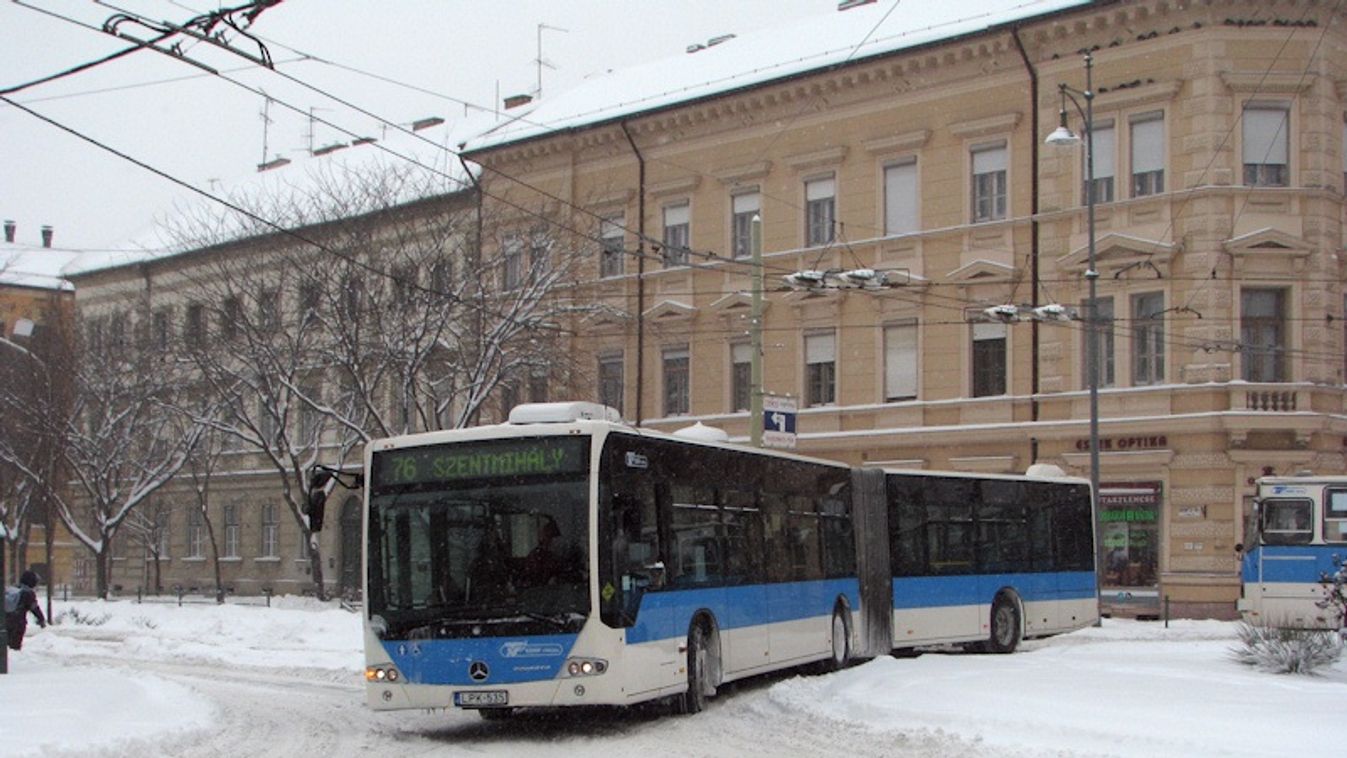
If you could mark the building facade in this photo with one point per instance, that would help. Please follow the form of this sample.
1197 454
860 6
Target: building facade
1218 140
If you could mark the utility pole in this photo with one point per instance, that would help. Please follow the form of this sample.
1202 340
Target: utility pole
755 336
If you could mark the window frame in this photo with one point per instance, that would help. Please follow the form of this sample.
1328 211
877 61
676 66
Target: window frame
741 222
981 374
1266 173
888 379
612 245
989 188
676 237
741 386
1148 341
820 376
608 360
1254 356
676 388
887 208
1152 181
820 211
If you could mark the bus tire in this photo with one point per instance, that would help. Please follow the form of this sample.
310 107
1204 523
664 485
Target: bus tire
1005 634
700 687
840 654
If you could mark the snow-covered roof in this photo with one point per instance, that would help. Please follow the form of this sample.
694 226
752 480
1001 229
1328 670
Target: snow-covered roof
299 192
34 266
763 56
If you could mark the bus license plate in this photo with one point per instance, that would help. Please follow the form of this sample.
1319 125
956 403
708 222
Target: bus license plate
485 697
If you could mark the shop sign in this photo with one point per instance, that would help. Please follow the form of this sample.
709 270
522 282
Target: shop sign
1142 442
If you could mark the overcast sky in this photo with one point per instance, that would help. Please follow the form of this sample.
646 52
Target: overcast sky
209 132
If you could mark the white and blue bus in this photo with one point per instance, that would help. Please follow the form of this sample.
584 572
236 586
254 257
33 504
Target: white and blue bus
565 558
1298 531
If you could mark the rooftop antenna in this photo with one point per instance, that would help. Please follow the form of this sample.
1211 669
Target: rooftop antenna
539 60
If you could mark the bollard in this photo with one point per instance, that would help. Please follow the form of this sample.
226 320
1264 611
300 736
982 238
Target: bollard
138 598
65 593
180 593
267 591
1166 611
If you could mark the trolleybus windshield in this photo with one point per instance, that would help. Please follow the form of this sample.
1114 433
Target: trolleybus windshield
477 539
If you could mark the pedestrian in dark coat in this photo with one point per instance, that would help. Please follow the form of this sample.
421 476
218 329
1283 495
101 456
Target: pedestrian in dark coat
16 622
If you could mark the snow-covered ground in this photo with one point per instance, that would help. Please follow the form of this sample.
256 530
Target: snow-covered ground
124 678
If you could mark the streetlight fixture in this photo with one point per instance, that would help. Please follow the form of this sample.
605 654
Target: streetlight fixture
1063 135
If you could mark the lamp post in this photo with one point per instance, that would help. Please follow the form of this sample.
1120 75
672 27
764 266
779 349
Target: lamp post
1063 135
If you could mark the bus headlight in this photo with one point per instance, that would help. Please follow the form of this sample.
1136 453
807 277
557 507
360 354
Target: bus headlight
585 666
381 674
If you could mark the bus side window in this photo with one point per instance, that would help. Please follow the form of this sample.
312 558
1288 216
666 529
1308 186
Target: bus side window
1335 516
1287 522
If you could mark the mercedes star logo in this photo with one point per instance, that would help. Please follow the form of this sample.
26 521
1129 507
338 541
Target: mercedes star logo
479 671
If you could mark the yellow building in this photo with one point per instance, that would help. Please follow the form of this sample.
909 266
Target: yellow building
915 146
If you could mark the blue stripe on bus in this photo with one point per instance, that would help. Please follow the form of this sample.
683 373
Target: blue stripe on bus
668 613
973 589
1302 564
509 660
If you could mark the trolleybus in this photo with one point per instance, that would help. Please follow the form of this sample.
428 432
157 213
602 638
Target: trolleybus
564 558
1298 532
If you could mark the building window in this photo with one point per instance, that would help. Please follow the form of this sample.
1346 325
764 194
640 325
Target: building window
989 182
231 314
231 531
196 533
1105 153
744 207
1107 350
610 381
161 334
1266 144
900 360
676 388
900 197
268 311
820 198
1148 338
270 530
676 235
512 263
611 253
741 376
194 328
538 384
310 296
1148 153
1262 335
820 368
989 359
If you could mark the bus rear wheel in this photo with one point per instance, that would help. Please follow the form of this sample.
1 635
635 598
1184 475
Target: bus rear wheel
700 687
1005 635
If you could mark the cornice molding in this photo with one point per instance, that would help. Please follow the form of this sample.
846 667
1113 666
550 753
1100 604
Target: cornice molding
897 143
827 157
744 173
674 186
983 127
1268 82
1144 94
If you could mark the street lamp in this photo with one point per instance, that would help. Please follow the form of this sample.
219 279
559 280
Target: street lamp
1063 135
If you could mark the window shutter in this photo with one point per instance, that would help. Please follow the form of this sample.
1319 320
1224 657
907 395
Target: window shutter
1148 148
1265 134
900 198
900 360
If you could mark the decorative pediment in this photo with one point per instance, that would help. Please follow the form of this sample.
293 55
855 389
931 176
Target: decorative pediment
980 271
1122 97
670 310
1267 241
1115 253
606 318
736 303
1268 246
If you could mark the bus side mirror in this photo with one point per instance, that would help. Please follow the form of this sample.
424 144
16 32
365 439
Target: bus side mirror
315 504
1239 547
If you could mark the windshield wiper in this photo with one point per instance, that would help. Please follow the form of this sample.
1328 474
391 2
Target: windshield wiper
561 621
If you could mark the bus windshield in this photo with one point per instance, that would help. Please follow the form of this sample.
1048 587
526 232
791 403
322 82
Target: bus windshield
479 539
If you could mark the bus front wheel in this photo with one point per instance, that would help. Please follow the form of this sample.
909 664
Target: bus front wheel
1005 635
700 687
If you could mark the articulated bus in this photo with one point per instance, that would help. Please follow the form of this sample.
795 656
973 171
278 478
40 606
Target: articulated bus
1299 529
565 558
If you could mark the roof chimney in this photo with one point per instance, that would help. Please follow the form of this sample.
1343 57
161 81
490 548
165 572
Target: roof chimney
46 235
514 101
10 228
846 5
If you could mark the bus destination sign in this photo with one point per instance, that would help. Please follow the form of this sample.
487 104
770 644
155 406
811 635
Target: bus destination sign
468 460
